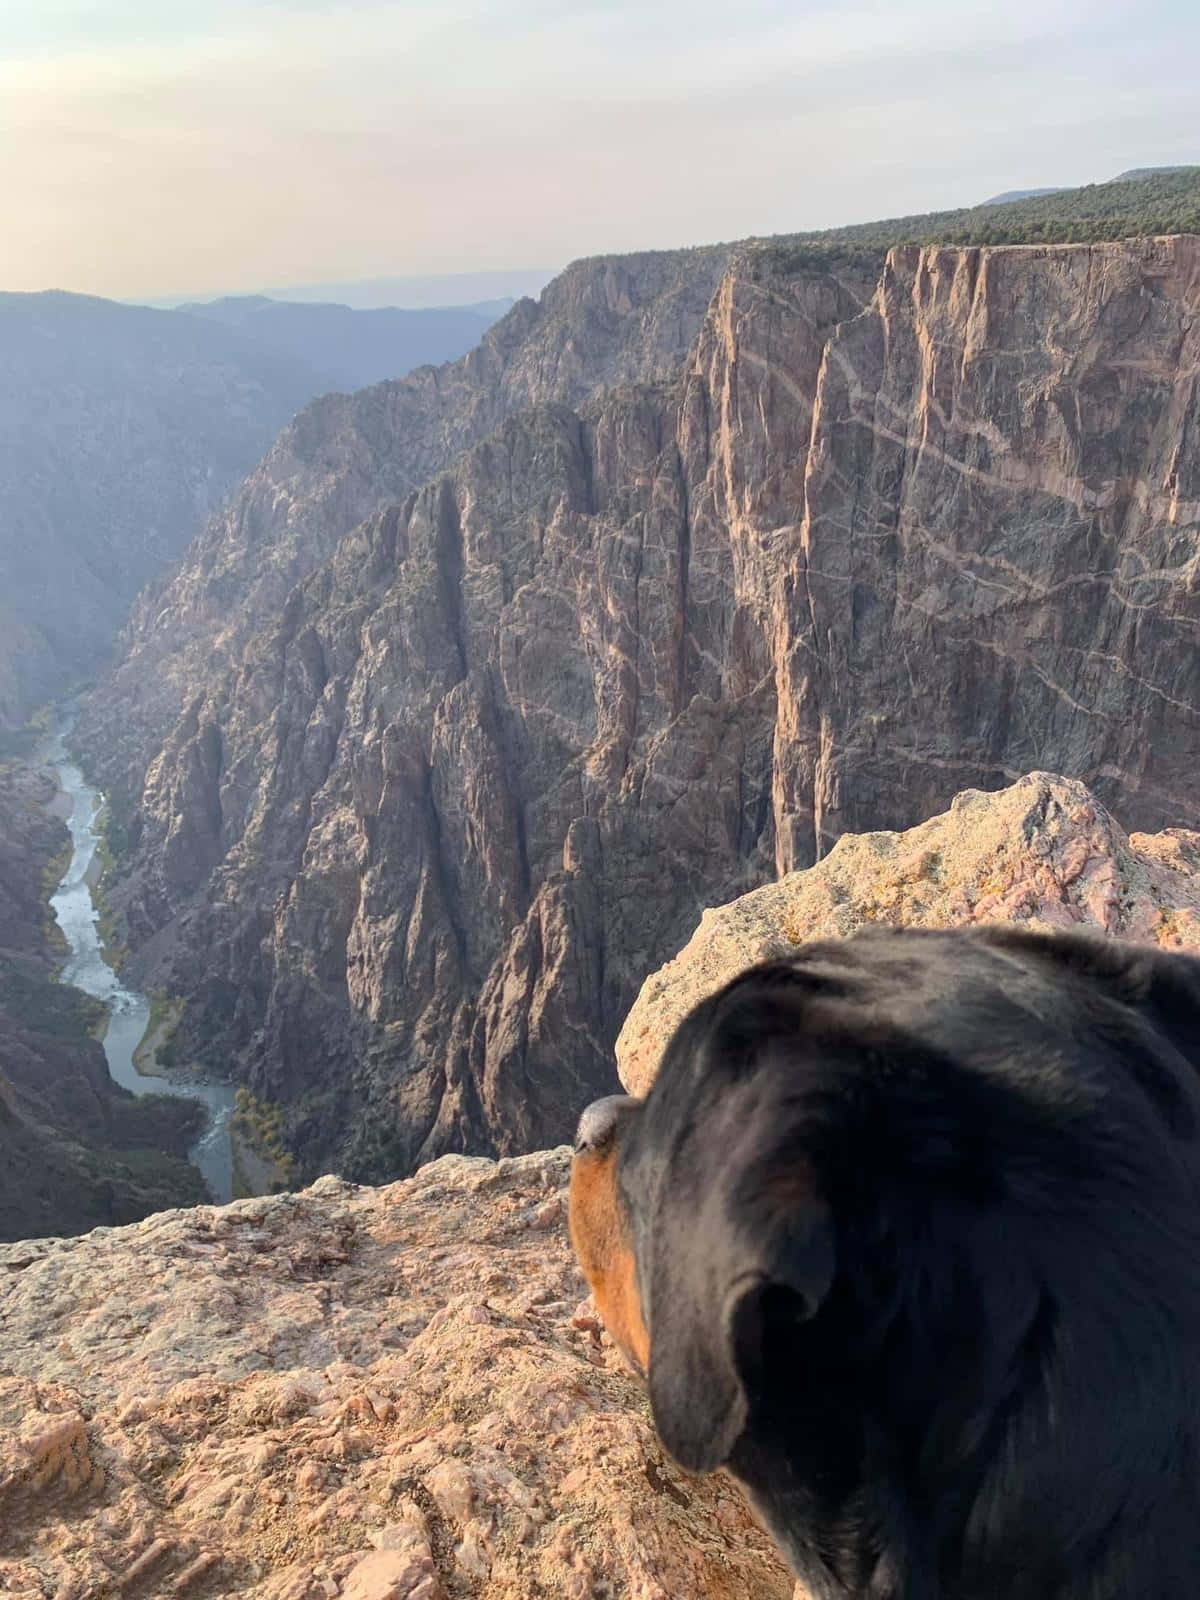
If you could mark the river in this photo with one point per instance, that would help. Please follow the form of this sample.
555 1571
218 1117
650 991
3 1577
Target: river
86 968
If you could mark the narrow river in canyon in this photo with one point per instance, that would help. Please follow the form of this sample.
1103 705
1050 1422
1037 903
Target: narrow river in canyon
86 968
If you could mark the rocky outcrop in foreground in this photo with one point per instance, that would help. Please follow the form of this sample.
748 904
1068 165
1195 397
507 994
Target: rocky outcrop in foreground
376 1394
1043 853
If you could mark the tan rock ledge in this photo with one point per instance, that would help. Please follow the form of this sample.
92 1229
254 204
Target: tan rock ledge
1043 852
379 1394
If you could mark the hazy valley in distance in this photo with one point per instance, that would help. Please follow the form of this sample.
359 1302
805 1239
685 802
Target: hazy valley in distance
122 428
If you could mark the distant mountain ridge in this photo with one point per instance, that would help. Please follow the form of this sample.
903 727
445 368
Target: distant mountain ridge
1134 175
425 291
1162 201
1011 195
408 292
351 349
122 428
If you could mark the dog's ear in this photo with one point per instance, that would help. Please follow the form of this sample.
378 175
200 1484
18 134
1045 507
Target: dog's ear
1163 987
741 1251
1168 988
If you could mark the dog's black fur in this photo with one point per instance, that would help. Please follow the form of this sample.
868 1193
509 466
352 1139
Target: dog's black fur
916 1222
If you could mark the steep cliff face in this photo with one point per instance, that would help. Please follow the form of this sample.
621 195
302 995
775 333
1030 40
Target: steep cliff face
999 566
413 861
75 1151
410 852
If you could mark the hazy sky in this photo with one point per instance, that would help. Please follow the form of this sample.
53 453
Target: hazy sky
152 147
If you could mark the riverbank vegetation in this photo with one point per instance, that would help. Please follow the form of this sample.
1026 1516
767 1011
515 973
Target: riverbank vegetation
104 866
262 1162
52 875
159 1048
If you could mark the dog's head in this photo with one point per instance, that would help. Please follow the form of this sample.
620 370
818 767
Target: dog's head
694 1216
888 1082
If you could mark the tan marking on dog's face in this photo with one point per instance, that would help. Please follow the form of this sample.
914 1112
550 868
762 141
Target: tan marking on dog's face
601 1237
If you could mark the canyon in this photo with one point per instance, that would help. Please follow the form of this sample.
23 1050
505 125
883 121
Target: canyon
489 680
719 600
76 1151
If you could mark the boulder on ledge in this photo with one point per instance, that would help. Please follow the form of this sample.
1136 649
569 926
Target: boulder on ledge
1043 852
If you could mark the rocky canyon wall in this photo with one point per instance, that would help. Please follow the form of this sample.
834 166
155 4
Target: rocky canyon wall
998 563
446 783
602 322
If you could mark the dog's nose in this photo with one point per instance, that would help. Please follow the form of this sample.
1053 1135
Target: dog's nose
599 1123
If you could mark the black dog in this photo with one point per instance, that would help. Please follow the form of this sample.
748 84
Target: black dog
907 1235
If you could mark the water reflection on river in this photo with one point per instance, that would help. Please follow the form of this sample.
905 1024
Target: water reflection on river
86 968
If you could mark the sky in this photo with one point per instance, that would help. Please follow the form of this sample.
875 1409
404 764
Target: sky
151 148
